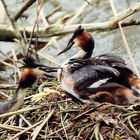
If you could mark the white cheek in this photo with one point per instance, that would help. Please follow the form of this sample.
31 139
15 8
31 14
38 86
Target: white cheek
77 43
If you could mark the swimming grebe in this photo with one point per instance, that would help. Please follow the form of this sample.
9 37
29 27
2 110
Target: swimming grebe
97 77
30 71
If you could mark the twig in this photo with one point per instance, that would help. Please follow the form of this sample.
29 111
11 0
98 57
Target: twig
100 136
9 119
5 56
38 129
23 118
52 12
80 11
59 136
22 110
104 26
69 125
117 106
88 111
53 60
24 8
42 93
16 65
7 64
17 32
89 3
123 125
83 128
7 87
38 9
27 129
130 113
33 33
129 23
12 128
67 111
132 127
56 30
4 95
64 128
96 130
53 39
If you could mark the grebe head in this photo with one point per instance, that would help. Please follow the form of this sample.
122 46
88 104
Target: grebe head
30 62
83 39
31 69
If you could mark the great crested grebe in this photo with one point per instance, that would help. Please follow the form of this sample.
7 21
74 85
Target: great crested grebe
30 71
102 78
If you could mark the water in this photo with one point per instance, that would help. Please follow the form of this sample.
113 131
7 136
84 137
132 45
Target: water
105 42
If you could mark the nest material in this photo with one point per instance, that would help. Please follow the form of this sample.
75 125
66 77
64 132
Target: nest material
74 121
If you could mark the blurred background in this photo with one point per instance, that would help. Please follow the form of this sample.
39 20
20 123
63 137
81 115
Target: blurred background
54 10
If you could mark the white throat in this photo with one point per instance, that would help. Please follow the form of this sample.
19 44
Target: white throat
80 54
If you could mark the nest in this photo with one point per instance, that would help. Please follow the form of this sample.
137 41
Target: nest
58 116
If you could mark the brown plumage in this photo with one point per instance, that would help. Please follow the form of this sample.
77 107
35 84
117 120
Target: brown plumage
116 94
134 81
28 77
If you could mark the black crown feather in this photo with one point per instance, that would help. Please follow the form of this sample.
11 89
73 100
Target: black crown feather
78 31
29 61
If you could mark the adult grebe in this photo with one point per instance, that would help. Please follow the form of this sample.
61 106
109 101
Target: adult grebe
94 78
30 71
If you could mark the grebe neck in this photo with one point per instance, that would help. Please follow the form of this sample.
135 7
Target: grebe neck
82 55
